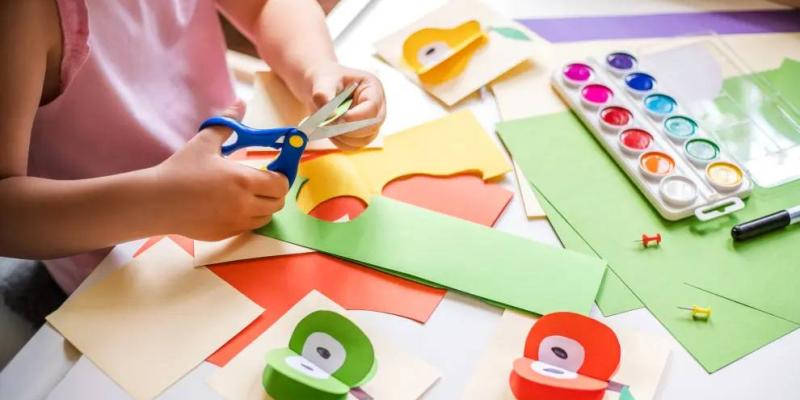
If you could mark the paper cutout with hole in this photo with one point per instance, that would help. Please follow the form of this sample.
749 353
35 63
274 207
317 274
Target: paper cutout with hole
438 55
327 357
453 144
456 49
567 356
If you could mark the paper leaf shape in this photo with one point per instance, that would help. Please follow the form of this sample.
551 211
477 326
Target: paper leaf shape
437 55
328 355
567 356
510 32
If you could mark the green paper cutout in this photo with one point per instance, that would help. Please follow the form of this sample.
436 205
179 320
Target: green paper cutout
511 33
327 356
436 249
613 297
597 199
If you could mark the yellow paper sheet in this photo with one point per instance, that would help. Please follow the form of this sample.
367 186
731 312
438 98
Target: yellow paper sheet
273 105
643 360
399 375
242 247
151 322
498 55
533 210
453 144
526 90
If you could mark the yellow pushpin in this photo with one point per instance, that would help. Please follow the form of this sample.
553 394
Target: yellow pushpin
699 313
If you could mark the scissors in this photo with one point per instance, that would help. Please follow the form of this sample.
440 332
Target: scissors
290 141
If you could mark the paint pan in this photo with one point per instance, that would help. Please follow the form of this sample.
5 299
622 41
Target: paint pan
679 128
615 118
620 63
596 95
577 74
635 141
656 164
724 176
659 105
640 83
678 190
701 151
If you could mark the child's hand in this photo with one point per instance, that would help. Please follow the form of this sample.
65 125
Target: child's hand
324 81
207 197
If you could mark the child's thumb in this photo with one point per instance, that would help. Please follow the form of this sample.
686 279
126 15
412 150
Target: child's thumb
217 135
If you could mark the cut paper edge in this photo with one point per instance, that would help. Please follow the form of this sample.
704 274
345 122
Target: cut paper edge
533 210
244 246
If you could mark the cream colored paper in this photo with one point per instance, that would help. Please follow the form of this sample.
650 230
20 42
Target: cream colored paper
399 375
526 91
273 105
644 358
491 60
242 247
152 321
533 209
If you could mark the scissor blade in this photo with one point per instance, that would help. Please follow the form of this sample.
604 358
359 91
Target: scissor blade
329 131
314 120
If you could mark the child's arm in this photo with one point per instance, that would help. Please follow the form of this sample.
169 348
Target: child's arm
195 192
292 38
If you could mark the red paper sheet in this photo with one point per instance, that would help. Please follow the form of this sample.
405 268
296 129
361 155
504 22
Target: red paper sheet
277 283
185 243
462 196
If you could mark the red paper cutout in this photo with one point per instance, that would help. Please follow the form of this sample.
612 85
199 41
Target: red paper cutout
463 196
567 356
277 283
183 242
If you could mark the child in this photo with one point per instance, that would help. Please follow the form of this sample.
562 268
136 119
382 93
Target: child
99 99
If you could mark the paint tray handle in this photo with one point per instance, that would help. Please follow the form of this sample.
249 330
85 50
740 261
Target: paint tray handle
717 209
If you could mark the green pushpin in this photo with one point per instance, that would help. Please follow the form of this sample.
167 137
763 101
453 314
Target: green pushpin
328 356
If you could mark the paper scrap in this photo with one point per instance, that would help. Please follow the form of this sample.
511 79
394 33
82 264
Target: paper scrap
398 374
131 323
277 283
643 360
466 71
533 209
454 144
241 247
429 247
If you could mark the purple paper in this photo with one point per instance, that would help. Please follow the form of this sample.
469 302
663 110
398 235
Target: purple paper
663 25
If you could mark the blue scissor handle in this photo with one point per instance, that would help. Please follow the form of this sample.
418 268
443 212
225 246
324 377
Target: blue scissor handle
294 143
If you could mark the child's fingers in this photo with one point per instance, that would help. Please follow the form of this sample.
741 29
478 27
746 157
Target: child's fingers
268 183
324 90
215 136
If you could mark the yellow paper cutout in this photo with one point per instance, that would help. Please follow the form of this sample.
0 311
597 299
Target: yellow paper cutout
446 146
437 54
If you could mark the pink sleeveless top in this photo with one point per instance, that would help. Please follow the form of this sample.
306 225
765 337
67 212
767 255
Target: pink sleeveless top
137 78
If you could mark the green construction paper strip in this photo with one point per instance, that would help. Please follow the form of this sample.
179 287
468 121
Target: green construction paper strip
356 349
412 242
585 186
613 297
625 394
284 381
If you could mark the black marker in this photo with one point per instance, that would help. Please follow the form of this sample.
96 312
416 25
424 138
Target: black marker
766 224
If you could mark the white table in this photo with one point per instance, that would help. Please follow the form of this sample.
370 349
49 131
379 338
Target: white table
455 336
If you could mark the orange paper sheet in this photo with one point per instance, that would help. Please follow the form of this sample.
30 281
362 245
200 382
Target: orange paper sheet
277 283
185 243
462 196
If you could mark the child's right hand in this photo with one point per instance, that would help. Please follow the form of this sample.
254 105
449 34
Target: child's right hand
207 197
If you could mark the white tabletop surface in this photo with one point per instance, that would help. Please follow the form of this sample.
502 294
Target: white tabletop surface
455 336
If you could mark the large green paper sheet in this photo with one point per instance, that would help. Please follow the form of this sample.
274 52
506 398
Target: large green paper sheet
415 243
575 175
613 297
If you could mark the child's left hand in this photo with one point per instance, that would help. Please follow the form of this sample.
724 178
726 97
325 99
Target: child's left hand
324 81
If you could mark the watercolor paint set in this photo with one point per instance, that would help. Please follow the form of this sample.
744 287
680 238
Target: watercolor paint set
679 167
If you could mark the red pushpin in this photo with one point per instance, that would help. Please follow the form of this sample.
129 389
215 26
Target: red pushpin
654 240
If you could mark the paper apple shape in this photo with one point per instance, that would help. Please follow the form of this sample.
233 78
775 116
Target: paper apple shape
567 356
328 355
